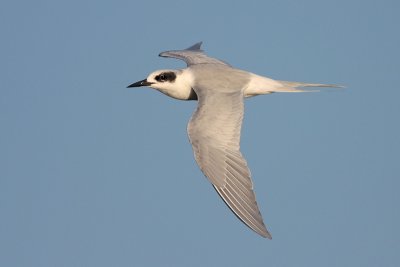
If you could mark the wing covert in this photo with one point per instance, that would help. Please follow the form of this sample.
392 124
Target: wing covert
214 132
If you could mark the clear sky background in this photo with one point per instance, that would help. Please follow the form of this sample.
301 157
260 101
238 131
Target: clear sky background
95 174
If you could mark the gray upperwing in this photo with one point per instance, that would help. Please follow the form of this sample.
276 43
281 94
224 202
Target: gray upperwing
214 132
192 55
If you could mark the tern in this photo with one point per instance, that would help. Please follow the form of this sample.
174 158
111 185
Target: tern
214 128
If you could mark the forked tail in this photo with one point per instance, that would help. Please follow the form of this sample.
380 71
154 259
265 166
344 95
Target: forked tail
292 87
260 85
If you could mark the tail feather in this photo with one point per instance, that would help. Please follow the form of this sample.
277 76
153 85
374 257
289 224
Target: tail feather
292 86
260 85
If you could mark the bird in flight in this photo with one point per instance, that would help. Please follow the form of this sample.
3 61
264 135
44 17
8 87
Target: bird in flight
214 128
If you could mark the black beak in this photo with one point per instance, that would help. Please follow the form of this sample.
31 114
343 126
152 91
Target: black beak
140 83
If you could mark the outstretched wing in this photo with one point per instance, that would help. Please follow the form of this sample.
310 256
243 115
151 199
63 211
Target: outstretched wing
214 132
192 55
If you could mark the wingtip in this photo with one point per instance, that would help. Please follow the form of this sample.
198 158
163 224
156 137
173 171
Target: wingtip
267 235
263 232
196 46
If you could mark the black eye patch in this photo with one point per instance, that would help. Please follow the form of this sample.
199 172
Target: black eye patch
166 76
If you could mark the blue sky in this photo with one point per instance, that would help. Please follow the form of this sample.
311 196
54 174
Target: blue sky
87 177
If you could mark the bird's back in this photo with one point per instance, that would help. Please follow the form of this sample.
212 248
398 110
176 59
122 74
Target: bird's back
218 78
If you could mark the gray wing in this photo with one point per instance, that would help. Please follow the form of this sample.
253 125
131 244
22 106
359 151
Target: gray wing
214 132
192 55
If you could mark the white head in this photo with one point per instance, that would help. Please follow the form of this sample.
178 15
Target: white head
173 83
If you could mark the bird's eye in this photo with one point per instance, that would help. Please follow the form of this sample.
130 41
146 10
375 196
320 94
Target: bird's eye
165 76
